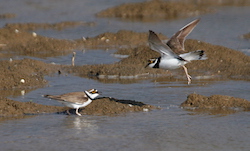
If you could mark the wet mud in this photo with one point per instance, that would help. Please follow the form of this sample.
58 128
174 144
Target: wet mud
24 74
55 26
15 108
10 109
154 10
157 10
7 16
246 36
215 104
112 106
22 42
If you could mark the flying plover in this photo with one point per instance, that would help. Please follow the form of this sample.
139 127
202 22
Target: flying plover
171 57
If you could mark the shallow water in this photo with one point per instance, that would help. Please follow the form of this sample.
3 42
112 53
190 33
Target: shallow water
170 128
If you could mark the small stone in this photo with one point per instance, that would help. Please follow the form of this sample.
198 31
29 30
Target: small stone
16 31
34 34
22 81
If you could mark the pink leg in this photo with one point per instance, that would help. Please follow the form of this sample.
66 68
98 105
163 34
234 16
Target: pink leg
78 112
188 76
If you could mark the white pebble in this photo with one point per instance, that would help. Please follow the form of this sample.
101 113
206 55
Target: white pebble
103 38
34 34
16 31
22 81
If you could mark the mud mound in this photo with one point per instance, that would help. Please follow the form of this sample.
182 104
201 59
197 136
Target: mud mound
222 62
246 36
14 108
157 10
101 106
23 74
123 38
215 102
55 26
154 10
221 3
7 15
132 67
112 106
20 42
19 39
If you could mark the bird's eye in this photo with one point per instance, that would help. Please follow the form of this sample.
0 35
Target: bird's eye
151 61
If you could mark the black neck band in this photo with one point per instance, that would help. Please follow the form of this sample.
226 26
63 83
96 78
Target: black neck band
157 65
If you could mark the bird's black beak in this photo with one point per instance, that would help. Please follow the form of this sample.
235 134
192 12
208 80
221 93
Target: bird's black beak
147 65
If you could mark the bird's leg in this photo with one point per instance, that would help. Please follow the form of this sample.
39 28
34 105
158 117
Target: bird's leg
78 112
73 59
188 76
68 112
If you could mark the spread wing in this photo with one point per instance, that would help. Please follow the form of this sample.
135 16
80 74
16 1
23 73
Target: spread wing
156 44
176 42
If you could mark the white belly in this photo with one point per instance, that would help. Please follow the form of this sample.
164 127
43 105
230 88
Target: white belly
74 105
171 63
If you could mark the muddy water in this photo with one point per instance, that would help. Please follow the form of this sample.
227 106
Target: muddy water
170 128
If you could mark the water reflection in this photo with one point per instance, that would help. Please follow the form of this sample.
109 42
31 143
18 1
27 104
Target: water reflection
217 112
81 124
13 93
85 57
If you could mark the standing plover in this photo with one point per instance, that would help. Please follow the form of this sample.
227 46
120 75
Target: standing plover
76 100
170 52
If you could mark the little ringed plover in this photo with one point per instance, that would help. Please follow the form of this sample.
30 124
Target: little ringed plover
171 57
76 100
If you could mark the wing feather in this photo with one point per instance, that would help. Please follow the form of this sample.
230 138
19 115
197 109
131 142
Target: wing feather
176 42
156 44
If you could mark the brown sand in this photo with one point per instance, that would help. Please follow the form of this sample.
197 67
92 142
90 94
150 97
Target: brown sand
7 15
154 10
246 36
215 104
157 10
55 26
31 71
112 106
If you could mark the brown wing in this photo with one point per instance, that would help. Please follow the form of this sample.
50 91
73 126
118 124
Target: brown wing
176 42
75 97
156 44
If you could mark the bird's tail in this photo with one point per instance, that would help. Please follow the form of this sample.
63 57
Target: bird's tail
50 96
46 96
194 55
